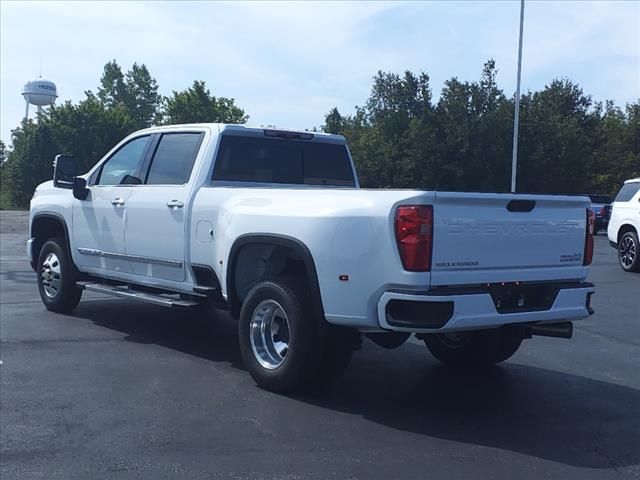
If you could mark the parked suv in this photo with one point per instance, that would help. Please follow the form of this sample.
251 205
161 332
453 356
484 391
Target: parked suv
624 225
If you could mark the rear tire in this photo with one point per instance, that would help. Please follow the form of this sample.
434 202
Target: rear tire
629 252
281 337
56 277
473 349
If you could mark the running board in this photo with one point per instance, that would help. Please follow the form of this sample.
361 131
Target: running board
125 292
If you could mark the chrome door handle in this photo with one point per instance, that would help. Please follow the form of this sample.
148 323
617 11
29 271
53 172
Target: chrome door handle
175 204
117 202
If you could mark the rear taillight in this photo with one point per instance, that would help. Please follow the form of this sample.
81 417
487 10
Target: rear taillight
414 235
588 238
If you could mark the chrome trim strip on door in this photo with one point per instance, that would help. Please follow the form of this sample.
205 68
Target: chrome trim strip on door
136 258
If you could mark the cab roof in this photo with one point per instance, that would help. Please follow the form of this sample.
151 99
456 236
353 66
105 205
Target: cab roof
252 130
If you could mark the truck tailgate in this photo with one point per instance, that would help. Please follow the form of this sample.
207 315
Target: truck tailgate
485 237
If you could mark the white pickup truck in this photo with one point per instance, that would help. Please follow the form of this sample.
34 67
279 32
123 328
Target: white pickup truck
272 225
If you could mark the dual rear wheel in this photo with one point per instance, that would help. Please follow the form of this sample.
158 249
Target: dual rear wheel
285 344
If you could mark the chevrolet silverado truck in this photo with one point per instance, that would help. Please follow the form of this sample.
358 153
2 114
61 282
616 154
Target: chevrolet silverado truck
273 226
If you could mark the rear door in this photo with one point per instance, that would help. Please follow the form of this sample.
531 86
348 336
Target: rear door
156 210
502 238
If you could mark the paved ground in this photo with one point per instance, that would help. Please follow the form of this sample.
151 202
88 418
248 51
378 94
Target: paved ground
124 390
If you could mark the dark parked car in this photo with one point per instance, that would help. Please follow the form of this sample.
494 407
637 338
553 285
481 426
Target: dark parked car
601 205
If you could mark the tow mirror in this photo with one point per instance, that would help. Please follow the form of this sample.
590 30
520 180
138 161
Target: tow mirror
64 171
64 176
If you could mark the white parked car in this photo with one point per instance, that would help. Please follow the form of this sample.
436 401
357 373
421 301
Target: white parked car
624 225
272 225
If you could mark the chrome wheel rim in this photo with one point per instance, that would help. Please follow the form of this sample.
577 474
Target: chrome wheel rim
50 275
269 332
627 252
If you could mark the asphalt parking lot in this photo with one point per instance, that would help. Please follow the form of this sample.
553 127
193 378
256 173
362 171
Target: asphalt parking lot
128 390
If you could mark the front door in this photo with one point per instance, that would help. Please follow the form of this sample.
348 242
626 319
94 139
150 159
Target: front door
156 210
99 221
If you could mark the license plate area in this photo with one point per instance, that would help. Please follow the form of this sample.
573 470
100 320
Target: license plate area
518 297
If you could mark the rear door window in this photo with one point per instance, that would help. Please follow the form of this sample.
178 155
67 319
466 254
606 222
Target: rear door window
274 160
627 192
173 159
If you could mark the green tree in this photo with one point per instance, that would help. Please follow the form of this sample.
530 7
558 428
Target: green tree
142 98
30 162
198 105
617 155
137 91
333 121
557 140
3 152
112 91
5 200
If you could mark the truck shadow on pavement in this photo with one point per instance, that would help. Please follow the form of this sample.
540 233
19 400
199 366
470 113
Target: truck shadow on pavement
541 413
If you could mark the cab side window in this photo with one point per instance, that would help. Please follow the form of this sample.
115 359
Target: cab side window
122 166
173 159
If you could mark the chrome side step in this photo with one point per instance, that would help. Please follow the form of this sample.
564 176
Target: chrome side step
164 300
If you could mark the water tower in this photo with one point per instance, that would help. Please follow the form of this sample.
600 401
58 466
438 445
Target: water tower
39 92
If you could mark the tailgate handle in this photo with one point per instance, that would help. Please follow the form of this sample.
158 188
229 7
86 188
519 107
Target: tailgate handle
521 205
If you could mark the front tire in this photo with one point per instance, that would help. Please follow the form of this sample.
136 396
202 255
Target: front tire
56 277
281 338
473 349
629 252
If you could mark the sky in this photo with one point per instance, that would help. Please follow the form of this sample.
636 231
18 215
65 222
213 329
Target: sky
288 63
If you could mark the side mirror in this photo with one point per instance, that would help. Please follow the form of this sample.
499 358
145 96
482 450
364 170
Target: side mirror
64 171
80 190
64 176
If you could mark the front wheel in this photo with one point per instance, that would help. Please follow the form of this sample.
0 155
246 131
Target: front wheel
473 349
56 279
629 252
281 338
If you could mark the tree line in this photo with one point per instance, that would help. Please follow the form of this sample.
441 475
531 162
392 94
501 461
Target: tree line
400 138
568 143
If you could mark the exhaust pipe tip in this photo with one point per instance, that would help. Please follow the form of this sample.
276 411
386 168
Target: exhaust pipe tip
555 330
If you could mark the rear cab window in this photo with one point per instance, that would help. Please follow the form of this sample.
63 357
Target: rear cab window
290 161
600 199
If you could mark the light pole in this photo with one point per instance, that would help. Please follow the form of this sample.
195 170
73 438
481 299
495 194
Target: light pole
516 116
